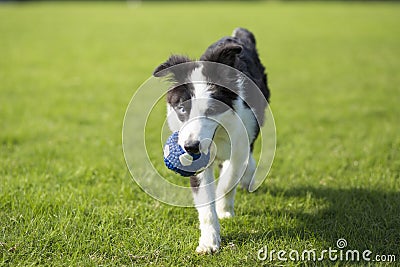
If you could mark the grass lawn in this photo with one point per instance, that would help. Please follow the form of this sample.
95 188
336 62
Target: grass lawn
68 71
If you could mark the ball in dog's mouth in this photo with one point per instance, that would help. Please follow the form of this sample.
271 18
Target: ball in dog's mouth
184 163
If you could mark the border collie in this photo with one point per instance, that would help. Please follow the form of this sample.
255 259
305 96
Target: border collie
208 111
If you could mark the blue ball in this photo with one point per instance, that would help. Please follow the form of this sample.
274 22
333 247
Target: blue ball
179 161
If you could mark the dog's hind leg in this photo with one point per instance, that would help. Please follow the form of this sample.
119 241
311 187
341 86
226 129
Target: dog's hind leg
226 191
204 198
247 180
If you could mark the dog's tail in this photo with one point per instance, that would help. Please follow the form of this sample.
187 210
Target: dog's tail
245 36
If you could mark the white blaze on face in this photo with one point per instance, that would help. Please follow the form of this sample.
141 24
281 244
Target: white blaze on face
200 83
198 127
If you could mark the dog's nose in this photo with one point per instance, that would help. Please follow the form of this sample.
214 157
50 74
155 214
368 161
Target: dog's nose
192 147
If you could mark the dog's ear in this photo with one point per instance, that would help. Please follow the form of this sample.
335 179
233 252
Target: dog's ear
223 53
173 60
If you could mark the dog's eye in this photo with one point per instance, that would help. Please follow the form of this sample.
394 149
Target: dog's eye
216 109
210 111
181 109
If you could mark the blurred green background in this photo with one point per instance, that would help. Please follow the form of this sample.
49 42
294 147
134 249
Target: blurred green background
68 71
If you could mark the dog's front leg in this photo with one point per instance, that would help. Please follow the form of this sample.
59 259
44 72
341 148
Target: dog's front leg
204 198
232 171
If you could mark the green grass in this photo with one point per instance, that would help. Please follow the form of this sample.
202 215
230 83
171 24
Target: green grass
68 71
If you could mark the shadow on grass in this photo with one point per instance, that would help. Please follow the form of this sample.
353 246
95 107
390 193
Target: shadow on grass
367 219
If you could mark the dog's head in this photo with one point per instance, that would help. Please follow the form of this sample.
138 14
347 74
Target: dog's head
196 107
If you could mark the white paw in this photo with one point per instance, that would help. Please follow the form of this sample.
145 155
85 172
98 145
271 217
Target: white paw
209 243
225 214
207 249
224 209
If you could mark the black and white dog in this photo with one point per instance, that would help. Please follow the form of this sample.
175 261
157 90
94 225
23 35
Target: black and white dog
228 117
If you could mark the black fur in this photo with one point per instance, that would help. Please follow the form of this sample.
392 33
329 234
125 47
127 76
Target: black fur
224 51
238 52
180 74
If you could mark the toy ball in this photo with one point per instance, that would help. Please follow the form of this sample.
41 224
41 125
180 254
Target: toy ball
179 161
